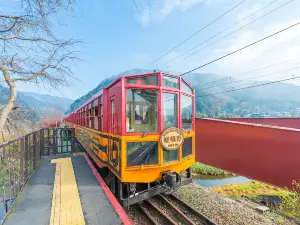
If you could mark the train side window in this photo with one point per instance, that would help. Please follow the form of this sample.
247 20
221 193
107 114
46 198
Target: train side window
86 116
95 114
101 117
90 115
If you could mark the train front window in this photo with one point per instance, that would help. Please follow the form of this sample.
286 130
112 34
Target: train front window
170 82
185 88
141 110
187 111
147 80
142 153
170 155
170 110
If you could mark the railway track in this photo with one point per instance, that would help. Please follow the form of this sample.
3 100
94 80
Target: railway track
168 209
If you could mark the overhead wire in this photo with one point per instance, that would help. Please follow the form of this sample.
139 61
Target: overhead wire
197 32
240 49
137 7
238 22
248 87
248 78
249 71
227 35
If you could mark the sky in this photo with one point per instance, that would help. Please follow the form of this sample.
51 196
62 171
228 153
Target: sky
117 36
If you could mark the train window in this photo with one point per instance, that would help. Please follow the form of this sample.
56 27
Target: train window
147 80
170 110
170 155
96 123
95 114
185 88
101 117
142 153
141 110
187 147
186 111
170 82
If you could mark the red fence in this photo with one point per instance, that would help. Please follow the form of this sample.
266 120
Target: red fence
281 122
269 154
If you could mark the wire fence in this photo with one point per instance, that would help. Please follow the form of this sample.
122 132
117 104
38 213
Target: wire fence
20 156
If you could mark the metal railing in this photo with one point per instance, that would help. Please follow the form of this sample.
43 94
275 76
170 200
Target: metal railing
20 156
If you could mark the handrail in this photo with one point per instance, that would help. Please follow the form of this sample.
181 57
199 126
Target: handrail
20 156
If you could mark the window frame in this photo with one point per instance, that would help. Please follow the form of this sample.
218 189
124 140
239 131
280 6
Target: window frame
148 88
170 88
163 107
193 111
144 165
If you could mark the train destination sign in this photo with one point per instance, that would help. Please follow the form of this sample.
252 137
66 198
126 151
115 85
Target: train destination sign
171 138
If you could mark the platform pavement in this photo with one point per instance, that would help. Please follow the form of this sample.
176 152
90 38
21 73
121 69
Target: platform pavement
35 205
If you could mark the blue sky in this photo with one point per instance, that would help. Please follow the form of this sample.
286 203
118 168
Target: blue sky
116 37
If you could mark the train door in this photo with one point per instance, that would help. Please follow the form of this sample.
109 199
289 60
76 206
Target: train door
114 142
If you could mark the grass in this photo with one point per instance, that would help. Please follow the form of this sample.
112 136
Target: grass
203 169
289 207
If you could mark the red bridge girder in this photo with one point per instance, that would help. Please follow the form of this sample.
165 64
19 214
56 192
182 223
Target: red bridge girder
268 154
281 122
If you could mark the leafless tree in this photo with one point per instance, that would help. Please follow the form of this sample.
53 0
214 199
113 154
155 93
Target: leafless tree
29 50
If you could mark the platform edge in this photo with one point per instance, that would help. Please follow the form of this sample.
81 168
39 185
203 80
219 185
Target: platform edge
118 208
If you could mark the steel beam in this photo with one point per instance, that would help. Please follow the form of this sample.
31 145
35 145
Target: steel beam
265 153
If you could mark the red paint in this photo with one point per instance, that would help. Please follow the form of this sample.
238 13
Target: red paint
280 122
269 154
117 91
118 208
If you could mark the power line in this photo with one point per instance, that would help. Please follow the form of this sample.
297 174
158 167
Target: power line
220 39
248 87
240 49
197 32
249 71
137 7
219 33
249 78
193 53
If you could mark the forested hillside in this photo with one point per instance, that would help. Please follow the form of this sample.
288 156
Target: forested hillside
274 98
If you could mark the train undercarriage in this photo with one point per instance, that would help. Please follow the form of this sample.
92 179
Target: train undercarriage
131 193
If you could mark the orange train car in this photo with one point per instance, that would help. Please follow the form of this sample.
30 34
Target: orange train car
140 131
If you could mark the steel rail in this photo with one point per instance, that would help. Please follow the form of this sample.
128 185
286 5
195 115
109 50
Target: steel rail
204 218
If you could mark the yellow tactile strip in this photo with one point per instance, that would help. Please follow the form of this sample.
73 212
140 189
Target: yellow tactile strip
66 206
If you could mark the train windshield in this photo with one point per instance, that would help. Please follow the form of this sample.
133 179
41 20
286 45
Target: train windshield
187 111
170 110
141 110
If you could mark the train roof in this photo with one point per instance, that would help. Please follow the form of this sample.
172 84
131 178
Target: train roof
117 79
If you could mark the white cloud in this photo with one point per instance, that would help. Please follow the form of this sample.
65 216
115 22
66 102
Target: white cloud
279 48
159 9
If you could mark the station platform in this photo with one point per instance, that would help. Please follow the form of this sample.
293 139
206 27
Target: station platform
66 189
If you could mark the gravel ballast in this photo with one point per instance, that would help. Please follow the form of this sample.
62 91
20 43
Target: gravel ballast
224 210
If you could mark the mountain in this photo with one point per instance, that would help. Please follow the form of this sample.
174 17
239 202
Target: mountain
34 106
274 98
45 103
78 102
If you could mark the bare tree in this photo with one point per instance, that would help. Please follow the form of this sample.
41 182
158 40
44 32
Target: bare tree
30 52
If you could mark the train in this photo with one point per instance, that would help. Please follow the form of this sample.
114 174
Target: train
140 132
